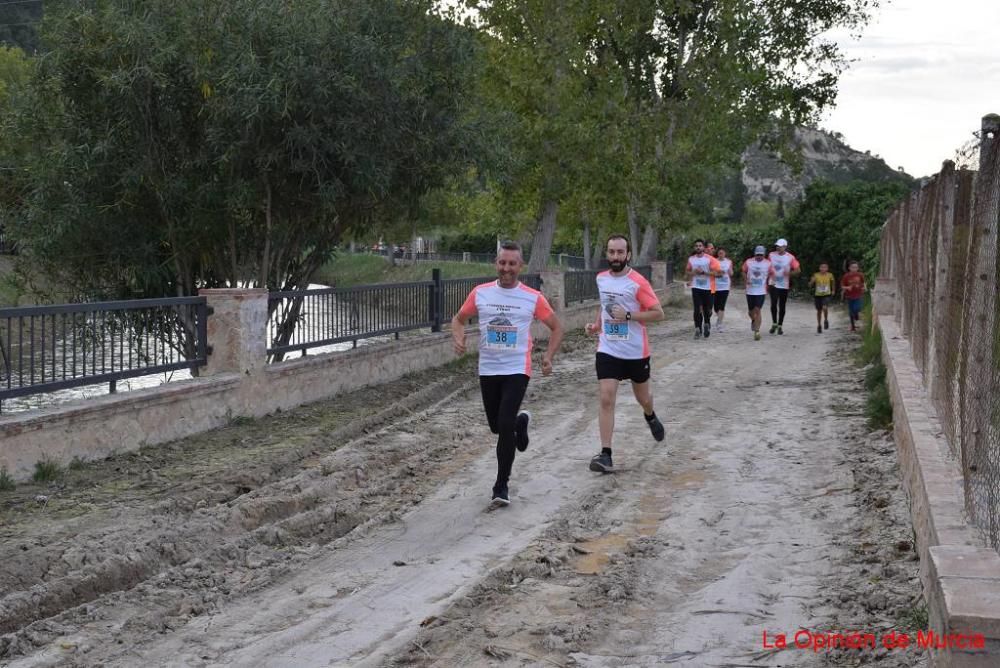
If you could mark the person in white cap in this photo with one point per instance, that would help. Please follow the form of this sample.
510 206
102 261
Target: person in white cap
757 271
784 265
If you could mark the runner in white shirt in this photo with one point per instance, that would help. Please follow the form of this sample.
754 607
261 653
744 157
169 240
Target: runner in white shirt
701 269
628 304
784 266
506 308
757 272
723 283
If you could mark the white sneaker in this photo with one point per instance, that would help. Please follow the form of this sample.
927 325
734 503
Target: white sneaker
720 329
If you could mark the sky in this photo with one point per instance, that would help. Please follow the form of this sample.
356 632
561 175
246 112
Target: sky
923 75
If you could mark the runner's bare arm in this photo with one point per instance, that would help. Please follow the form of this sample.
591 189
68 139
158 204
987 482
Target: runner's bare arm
555 340
458 324
653 313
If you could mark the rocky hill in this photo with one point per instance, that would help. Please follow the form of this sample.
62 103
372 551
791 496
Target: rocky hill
824 156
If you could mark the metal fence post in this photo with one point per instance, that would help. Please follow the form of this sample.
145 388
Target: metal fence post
437 298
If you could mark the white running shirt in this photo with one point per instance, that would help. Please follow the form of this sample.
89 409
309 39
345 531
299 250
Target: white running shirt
505 317
624 339
706 262
724 282
757 275
782 264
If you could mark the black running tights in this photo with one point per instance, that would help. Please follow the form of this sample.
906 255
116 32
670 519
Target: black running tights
779 297
702 300
502 397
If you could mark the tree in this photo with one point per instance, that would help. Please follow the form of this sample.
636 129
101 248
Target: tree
184 144
656 93
837 223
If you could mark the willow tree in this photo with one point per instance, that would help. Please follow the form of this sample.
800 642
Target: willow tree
185 144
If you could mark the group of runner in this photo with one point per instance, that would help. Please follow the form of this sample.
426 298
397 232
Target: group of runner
709 273
506 309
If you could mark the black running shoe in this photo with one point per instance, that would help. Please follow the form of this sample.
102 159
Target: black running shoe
602 463
523 418
826 324
697 333
708 330
819 330
774 328
500 496
780 331
656 428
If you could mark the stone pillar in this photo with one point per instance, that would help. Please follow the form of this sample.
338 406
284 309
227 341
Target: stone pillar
237 330
659 274
554 289
466 257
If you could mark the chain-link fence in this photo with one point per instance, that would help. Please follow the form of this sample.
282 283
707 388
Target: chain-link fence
940 248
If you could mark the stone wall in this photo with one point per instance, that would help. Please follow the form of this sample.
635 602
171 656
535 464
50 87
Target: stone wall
960 576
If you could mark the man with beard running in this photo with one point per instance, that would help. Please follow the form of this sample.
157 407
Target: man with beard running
701 269
757 272
628 304
783 267
505 309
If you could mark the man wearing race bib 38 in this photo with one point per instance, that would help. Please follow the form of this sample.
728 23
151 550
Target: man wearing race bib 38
628 304
506 308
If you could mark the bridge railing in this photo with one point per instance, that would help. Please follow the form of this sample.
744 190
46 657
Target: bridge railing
940 248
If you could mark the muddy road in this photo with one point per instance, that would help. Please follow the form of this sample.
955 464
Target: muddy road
355 531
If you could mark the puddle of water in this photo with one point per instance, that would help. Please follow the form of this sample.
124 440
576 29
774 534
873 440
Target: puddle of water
653 509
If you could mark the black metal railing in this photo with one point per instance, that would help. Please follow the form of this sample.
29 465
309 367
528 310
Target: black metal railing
48 348
303 319
580 286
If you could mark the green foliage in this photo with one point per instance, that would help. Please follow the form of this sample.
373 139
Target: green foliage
836 223
870 351
47 470
7 483
878 406
181 144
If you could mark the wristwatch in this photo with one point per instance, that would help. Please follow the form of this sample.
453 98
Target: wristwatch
628 315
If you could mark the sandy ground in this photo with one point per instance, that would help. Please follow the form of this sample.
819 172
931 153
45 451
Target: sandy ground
355 532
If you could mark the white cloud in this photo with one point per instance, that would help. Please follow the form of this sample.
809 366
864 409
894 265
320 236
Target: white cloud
923 76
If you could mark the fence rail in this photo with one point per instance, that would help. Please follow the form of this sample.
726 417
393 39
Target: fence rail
303 319
939 246
48 348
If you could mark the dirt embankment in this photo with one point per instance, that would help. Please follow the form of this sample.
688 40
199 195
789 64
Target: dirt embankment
353 532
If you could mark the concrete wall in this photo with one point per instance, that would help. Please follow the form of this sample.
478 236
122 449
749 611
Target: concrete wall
960 576
237 382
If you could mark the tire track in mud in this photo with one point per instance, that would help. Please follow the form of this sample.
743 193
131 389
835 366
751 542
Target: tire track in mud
751 521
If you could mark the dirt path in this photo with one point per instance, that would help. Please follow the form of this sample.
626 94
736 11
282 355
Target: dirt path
326 545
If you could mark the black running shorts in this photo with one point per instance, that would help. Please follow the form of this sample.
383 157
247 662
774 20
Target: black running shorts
721 296
755 301
821 302
621 369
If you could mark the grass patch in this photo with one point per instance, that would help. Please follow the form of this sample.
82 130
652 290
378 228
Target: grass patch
47 470
878 404
915 619
348 270
77 464
871 338
7 483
